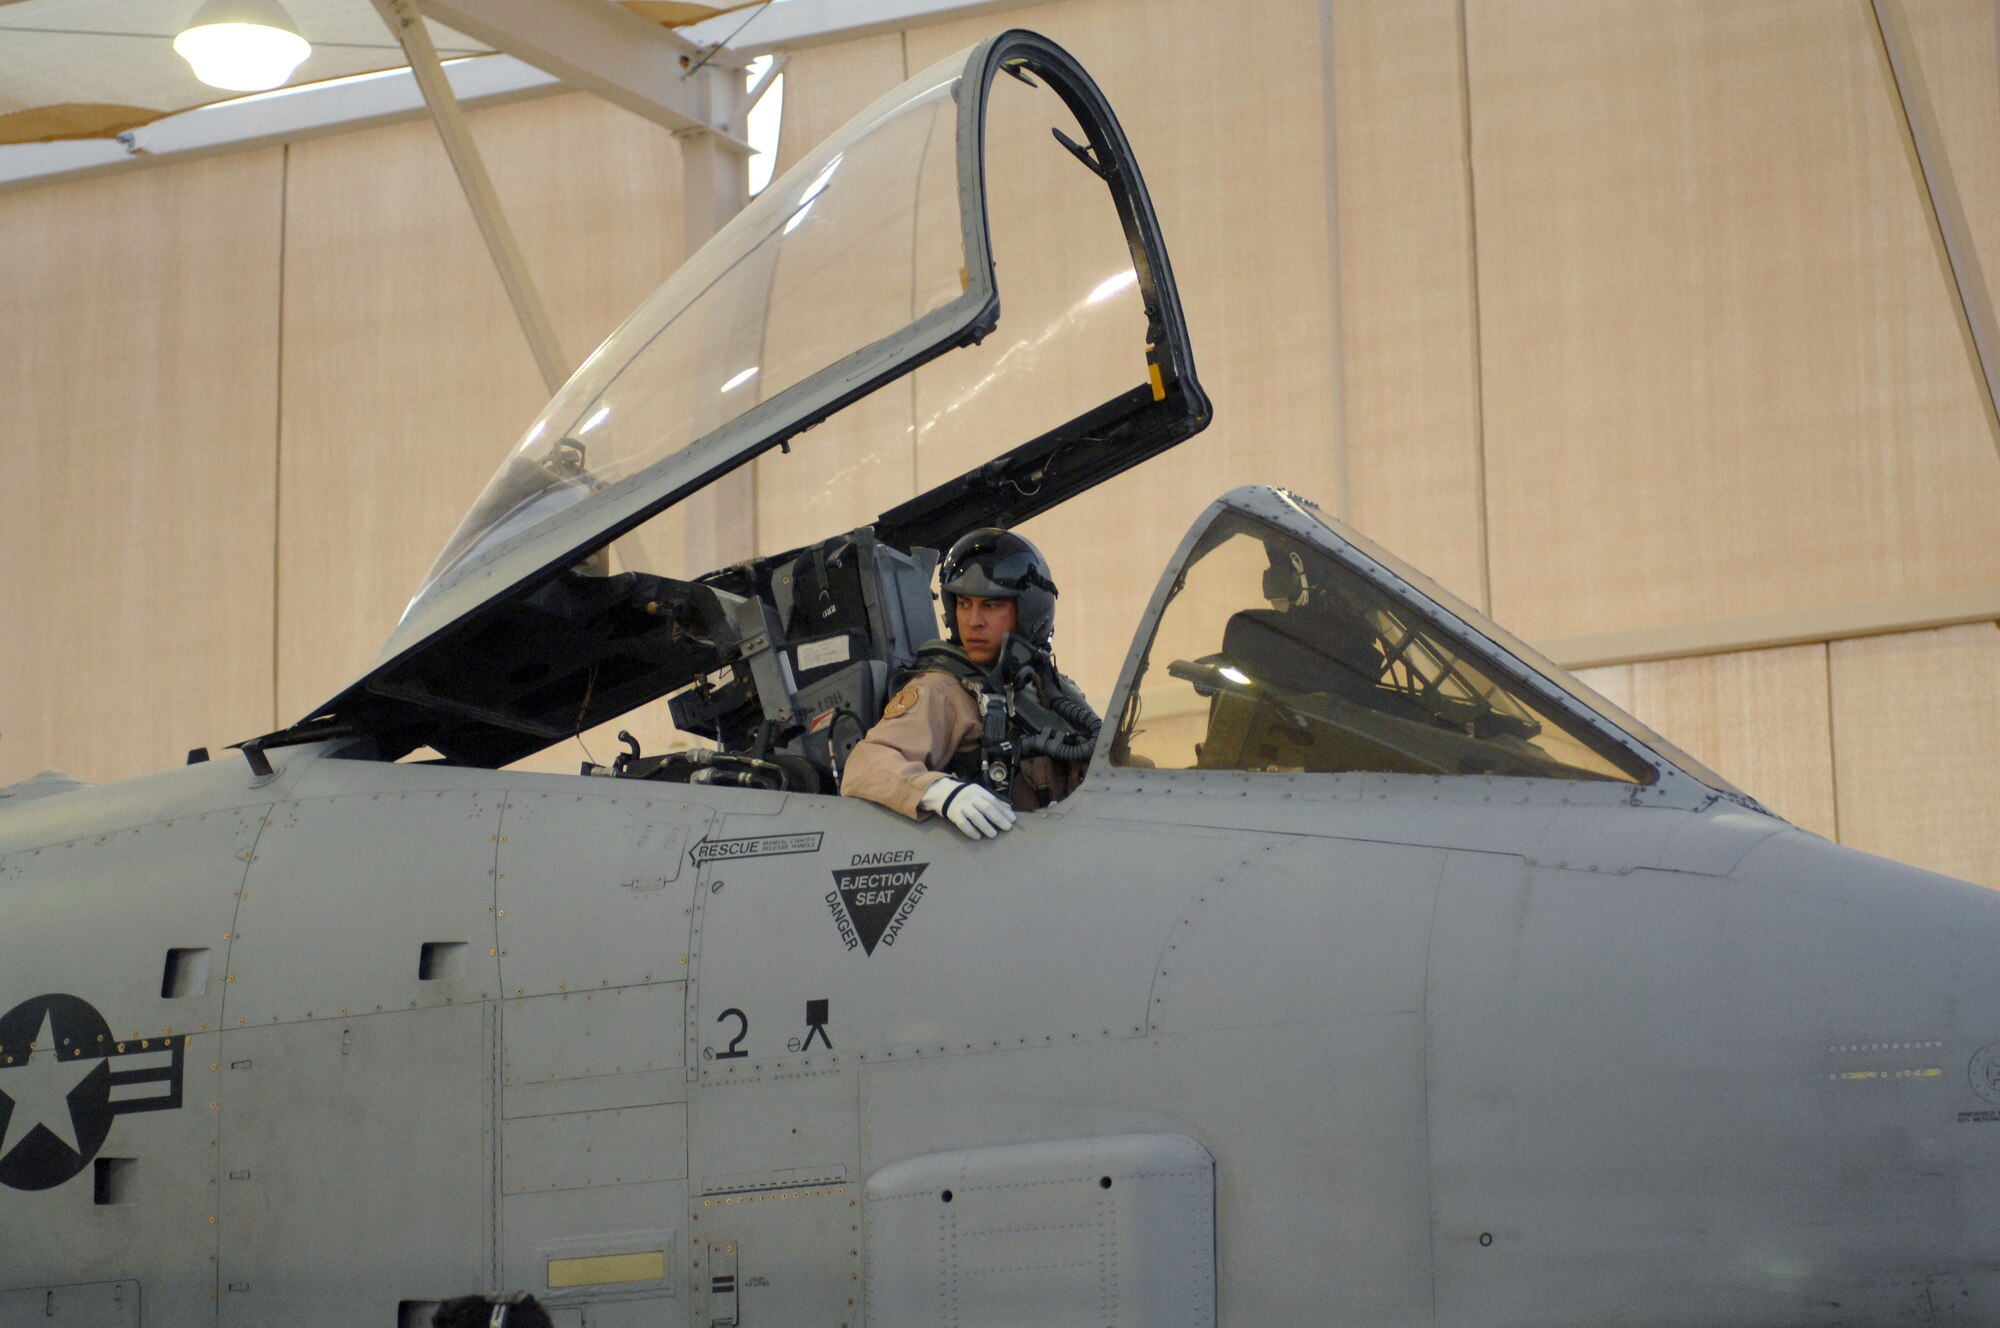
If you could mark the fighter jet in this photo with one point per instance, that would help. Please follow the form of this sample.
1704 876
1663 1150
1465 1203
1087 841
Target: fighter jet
1378 972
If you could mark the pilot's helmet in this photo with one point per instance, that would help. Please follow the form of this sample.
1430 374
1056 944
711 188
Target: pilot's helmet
991 563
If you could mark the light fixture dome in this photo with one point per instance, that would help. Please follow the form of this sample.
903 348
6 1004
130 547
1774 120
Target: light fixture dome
242 45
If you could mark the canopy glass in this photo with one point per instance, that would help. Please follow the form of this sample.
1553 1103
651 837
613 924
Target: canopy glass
756 312
850 315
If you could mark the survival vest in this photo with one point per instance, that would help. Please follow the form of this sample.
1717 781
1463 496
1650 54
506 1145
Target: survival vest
1016 721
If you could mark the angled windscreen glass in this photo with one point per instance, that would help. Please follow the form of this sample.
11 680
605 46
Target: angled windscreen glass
767 304
1270 655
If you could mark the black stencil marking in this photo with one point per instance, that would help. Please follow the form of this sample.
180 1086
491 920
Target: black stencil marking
871 904
57 1056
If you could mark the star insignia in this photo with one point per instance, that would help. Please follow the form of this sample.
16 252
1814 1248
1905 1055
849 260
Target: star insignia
39 1090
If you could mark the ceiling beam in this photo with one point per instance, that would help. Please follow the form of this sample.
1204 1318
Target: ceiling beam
1951 234
607 50
407 24
589 44
802 23
285 116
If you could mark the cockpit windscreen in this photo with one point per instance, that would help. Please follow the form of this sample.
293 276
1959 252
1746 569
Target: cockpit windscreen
1272 656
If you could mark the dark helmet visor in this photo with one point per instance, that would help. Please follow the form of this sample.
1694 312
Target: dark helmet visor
997 564
1016 571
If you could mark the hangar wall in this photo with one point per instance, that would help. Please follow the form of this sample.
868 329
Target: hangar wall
1614 317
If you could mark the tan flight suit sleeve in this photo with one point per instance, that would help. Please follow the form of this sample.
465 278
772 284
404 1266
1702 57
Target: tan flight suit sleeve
925 724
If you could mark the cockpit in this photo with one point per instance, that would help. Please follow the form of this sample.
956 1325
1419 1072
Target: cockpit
854 310
1273 652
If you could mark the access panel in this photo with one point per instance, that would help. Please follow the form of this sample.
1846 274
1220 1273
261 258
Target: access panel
355 1165
1077 1233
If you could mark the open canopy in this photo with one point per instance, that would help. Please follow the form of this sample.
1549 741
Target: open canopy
870 259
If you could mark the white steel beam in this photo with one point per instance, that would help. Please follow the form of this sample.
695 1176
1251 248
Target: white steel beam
608 50
284 116
408 26
588 44
798 24
1950 231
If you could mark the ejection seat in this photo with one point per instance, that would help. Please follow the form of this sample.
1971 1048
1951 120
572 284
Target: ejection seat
1271 658
816 642
1304 651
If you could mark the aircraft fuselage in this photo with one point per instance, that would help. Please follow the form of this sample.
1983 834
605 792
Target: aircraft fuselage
1462 1051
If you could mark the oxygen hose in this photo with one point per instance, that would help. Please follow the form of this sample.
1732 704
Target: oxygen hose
1074 746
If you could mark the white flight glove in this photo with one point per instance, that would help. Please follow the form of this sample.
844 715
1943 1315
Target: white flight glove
976 810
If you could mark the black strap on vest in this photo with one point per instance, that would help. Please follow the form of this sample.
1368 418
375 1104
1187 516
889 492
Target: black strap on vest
996 762
1015 721
942 657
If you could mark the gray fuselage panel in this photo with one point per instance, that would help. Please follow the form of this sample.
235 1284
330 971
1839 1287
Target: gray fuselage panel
603 1040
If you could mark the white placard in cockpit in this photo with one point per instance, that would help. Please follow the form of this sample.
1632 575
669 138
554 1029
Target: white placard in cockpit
819 654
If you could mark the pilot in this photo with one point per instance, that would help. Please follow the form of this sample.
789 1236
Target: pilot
983 726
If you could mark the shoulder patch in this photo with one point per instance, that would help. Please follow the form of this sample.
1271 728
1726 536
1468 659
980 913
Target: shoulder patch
901 703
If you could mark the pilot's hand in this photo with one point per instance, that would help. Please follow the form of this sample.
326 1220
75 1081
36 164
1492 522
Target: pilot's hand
976 810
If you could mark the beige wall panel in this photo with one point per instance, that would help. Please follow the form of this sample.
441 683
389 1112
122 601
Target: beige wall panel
1916 720
1722 372
839 475
1960 54
1408 305
1234 157
138 361
1757 718
406 376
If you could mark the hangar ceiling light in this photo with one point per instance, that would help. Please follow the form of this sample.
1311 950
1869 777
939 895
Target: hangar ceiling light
242 45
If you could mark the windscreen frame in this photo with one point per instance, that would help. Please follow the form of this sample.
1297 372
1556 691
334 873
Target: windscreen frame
1116 434
1672 785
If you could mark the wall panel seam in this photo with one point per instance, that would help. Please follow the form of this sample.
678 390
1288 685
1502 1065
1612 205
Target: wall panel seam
1330 164
1832 622
278 431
